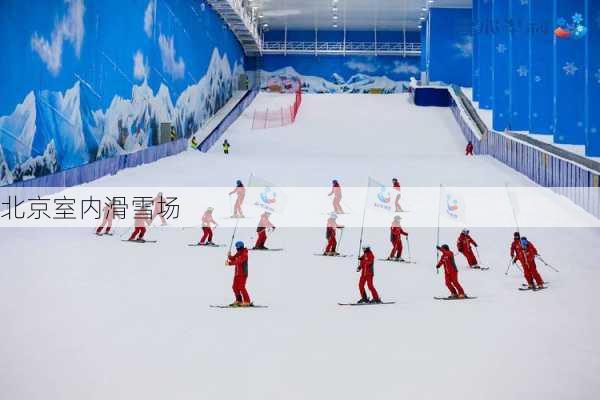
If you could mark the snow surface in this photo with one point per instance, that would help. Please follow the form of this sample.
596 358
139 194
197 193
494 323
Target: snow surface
94 318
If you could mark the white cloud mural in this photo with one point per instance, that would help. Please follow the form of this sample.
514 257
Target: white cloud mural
68 29
465 47
361 66
401 67
172 65
149 18
140 66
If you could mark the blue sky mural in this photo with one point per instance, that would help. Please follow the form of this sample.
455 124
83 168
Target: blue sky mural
91 79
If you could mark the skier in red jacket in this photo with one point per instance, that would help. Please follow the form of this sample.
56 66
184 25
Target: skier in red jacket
261 230
367 261
451 272
463 244
526 254
107 220
207 224
240 191
336 191
240 261
330 235
396 233
469 149
142 219
396 186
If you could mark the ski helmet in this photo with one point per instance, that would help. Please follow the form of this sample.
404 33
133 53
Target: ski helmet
397 218
465 231
524 242
445 247
517 235
210 209
239 245
366 246
238 183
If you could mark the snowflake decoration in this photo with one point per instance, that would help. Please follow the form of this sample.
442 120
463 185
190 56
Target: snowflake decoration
535 115
515 113
522 71
561 22
501 48
507 92
593 130
524 2
577 19
538 78
597 76
501 115
579 124
570 68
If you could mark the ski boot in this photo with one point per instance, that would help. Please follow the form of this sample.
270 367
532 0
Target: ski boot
249 304
376 301
461 296
363 300
235 304
399 259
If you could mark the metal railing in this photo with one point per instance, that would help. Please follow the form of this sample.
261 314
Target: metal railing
312 47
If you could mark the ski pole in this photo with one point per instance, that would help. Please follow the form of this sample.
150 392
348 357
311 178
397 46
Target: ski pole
478 256
408 249
510 262
340 241
547 265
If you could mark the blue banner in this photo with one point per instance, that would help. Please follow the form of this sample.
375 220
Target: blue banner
541 44
485 42
501 64
519 79
592 145
569 73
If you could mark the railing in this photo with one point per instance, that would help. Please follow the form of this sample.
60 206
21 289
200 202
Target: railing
312 47
242 21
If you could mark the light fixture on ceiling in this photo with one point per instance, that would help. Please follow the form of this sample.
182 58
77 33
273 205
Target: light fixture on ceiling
335 17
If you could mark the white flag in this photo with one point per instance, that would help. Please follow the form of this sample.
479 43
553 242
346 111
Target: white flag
453 205
266 196
379 196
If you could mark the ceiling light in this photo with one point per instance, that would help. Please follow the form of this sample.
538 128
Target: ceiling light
422 18
335 17
265 25
335 25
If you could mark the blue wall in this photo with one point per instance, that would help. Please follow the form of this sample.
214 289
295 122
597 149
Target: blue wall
451 46
538 81
79 69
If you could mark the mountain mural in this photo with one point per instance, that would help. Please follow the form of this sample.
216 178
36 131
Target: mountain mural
357 83
52 131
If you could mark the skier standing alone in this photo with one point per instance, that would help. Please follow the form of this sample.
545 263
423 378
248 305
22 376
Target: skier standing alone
107 220
526 252
240 191
451 272
469 149
226 146
330 235
207 224
463 244
261 230
240 261
396 233
366 268
336 191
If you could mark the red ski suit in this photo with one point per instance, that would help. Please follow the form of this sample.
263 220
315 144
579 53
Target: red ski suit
397 201
336 191
240 260
207 233
367 260
463 244
330 235
396 233
451 272
141 220
469 149
263 225
240 191
107 220
526 257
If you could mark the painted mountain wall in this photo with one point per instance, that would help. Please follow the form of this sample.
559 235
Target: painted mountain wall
91 79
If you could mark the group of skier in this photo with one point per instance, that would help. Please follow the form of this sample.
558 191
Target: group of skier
521 250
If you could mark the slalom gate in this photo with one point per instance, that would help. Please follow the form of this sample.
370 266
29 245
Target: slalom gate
277 117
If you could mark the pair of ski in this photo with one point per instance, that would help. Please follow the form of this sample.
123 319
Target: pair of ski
333 255
525 287
103 234
141 241
205 245
229 306
397 260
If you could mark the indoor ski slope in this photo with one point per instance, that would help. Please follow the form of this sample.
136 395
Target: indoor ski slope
83 317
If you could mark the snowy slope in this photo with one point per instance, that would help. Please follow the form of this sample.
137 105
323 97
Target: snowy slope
116 320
